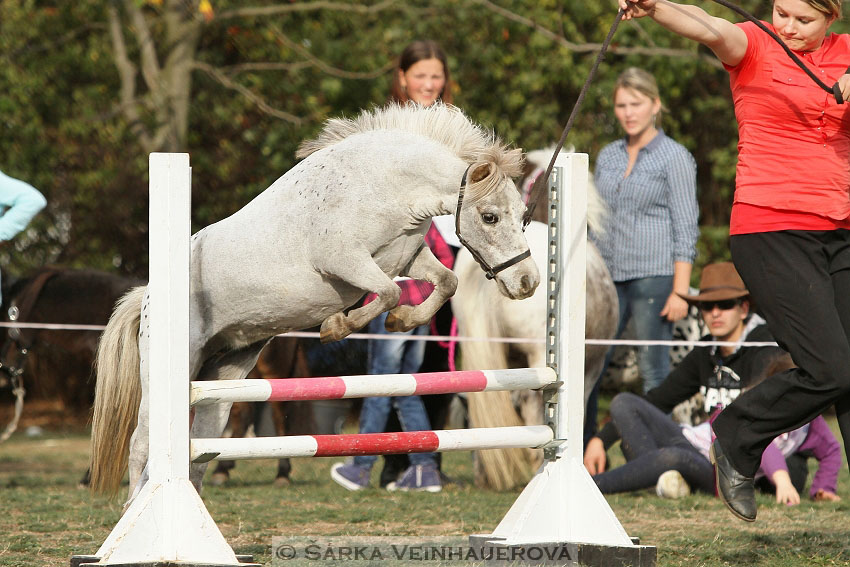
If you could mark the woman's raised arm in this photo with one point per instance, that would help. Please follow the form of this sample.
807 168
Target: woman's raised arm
725 39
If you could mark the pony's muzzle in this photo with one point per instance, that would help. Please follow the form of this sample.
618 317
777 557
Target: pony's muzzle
527 286
519 282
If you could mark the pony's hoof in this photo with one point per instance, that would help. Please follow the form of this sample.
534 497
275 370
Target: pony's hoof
333 329
282 482
397 319
219 479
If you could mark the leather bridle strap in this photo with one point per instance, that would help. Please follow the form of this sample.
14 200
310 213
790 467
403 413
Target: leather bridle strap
488 270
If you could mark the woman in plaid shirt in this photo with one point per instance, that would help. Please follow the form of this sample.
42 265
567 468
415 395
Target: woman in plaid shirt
648 182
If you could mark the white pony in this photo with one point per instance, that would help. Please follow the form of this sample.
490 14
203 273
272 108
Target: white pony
481 312
342 222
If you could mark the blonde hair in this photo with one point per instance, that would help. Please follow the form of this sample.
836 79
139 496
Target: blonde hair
641 81
830 8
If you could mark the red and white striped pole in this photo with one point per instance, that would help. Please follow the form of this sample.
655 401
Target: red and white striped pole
203 450
364 386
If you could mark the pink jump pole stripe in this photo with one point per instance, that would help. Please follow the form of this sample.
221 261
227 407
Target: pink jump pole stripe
450 382
283 389
376 443
203 450
363 386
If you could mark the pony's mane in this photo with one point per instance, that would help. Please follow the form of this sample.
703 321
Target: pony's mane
443 123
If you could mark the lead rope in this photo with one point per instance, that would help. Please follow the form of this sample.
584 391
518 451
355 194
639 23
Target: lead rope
18 390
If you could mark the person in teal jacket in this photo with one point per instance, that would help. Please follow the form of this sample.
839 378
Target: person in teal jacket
19 203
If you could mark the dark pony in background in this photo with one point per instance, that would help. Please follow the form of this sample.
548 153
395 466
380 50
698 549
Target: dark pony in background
56 364
283 357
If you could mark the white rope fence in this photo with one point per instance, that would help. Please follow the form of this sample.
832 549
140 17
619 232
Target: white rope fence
439 338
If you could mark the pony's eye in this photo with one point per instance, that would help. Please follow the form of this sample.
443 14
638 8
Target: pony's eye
490 218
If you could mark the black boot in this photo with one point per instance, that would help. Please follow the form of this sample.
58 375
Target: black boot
734 489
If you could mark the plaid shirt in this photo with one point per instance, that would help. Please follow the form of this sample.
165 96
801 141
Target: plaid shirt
653 220
414 292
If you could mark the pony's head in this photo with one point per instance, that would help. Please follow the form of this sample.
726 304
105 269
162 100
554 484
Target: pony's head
490 222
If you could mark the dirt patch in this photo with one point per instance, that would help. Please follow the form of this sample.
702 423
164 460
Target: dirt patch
46 414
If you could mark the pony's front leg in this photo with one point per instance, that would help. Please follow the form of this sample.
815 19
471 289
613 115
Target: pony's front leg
368 277
424 267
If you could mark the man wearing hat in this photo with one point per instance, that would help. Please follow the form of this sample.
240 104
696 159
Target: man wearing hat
719 372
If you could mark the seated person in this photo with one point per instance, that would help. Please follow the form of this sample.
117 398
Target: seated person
652 442
813 439
674 457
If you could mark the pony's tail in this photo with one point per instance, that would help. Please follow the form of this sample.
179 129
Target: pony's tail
118 393
499 469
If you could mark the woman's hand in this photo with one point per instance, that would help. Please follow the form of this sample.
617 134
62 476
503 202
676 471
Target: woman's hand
825 495
637 8
675 308
594 456
785 491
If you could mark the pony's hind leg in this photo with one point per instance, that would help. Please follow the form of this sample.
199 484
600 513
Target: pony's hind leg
367 276
424 267
210 421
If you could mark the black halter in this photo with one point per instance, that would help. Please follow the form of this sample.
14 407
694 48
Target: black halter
490 271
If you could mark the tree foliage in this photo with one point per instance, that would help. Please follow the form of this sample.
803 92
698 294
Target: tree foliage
88 89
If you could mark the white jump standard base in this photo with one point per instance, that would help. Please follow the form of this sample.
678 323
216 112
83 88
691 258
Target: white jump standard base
167 522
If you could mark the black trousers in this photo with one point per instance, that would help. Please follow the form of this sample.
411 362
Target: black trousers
800 282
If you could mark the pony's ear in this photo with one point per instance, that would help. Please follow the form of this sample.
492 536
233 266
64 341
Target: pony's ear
479 173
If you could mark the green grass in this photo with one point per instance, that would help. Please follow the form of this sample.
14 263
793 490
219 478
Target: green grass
45 518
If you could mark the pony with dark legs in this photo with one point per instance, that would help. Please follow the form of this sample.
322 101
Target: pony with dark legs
398 167
287 357
283 357
480 312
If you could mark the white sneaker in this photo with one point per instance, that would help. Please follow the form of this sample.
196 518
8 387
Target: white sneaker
671 484
418 478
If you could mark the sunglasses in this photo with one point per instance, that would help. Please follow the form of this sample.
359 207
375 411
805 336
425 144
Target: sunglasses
724 304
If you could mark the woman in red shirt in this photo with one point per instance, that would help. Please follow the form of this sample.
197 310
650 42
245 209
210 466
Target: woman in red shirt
790 218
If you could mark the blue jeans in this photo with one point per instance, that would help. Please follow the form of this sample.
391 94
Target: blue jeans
652 443
394 357
642 301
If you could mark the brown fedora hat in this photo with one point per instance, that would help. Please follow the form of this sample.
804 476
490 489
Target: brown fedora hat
718 282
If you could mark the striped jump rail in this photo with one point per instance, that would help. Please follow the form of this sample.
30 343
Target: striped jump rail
365 386
203 450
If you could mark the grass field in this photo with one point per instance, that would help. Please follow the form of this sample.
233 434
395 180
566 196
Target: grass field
45 518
